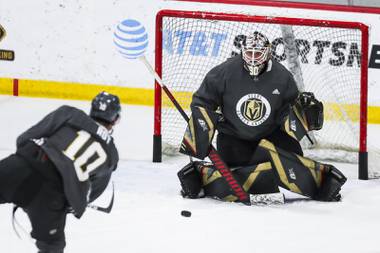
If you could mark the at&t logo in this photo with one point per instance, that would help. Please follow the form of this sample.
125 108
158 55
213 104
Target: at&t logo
131 39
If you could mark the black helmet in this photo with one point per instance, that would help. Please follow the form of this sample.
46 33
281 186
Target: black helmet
105 107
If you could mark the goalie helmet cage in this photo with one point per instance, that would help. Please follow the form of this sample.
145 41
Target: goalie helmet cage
336 71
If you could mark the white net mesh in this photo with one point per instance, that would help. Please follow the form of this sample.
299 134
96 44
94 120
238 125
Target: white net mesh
326 62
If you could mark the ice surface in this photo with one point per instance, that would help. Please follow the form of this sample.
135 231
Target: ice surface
146 216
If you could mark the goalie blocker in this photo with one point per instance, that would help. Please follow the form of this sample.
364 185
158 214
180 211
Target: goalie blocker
199 132
283 169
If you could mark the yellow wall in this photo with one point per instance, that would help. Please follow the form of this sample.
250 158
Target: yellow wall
75 91
143 96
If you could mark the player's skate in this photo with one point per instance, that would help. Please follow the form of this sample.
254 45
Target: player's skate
332 182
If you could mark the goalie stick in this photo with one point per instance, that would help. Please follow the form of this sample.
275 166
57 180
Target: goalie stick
213 155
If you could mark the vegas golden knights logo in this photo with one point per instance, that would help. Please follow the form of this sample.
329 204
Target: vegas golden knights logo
253 109
6 55
2 33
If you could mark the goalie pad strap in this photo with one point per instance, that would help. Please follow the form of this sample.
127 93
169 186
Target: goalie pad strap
199 132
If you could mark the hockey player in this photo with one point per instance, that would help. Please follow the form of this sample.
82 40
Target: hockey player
254 103
61 164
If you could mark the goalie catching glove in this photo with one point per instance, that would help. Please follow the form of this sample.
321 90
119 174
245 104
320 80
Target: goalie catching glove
305 115
312 109
199 132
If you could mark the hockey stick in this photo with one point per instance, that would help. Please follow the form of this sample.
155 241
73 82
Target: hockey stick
105 209
213 155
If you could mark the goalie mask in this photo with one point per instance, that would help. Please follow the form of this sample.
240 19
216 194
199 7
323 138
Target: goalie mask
256 52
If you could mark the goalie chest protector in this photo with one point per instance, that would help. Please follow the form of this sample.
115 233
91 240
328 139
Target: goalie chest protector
249 106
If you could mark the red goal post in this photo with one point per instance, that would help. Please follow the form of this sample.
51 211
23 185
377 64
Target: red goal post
198 17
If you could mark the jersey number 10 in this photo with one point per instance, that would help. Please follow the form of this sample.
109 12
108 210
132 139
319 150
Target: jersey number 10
85 159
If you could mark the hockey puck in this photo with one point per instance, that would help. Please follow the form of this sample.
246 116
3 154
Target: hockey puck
185 213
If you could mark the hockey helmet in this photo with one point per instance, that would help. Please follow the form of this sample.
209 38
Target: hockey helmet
105 107
256 52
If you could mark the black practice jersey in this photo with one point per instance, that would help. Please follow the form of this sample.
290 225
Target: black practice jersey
250 107
82 150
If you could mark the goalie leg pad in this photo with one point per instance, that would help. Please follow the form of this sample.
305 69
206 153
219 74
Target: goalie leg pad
332 182
293 172
302 175
255 179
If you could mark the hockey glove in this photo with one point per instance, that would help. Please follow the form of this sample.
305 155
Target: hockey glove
312 108
191 181
199 132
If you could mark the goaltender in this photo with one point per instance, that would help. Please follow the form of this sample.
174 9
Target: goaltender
254 103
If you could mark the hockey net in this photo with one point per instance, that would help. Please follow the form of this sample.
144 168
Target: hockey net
325 57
